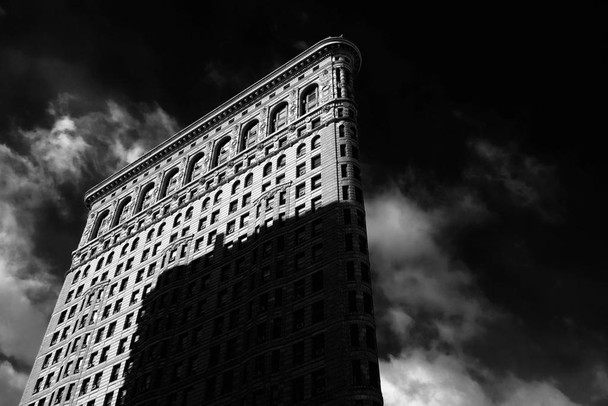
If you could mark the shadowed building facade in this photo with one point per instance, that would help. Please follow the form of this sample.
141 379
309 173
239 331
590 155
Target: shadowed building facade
228 265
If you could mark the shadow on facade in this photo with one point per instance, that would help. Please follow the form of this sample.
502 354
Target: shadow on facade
282 318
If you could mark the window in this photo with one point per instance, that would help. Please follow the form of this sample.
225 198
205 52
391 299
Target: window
267 169
352 301
249 135
342 150
215 217
299 289
196 167
170 183
278 117
316 142
318 345
317 281
315 182
246 199
249 180
315 161
222 150
367 303
358 195
281 161
318 381
317 312
300 190
298 319
218 197
309 99
298 353
300 170
301 150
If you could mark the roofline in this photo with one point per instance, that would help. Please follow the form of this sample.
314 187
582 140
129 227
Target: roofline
195 129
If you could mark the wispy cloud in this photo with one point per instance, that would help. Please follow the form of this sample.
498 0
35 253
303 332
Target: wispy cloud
74 147
430 305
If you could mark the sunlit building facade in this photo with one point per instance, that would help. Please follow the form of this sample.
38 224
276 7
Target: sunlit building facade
228 265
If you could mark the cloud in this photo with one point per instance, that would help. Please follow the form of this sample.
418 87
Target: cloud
415 272
529 183
413 379
83 143
98 142
12 383
426 378
430 307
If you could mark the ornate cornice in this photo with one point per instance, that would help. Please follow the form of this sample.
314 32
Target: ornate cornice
239 102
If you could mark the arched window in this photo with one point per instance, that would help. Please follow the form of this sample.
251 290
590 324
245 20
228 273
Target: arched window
146 197
267 169
205 204
160 229
169 184
221 152
316 142
124 249
76 276
249 135
150 235
189 213
218 197
278 117
86 271
121 213
195 167
178 220
301 150
134 244
100 218
99 264
281 161
110 257
309 99
249 180
235 187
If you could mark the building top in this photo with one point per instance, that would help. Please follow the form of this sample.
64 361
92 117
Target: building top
226 110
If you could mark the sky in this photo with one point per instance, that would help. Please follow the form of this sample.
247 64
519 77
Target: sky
481 148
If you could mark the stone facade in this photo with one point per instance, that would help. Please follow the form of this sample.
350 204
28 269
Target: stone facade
229 264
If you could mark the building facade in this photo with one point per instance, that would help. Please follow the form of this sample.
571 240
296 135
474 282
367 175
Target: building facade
228 265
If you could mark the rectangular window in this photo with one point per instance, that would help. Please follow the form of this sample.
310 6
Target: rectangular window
315 182
350 271
246 199
297 350
352 301
318 313
233 207
202 223
300 170
300 210
298 319
211 238
230 227
348 242
342 150
343 170
345 193
215 217
315 161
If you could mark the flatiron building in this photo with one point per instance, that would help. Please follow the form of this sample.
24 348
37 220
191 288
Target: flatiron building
229 264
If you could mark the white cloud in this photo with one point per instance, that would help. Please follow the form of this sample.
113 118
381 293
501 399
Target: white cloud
415 272
30 185
428 378
12 383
